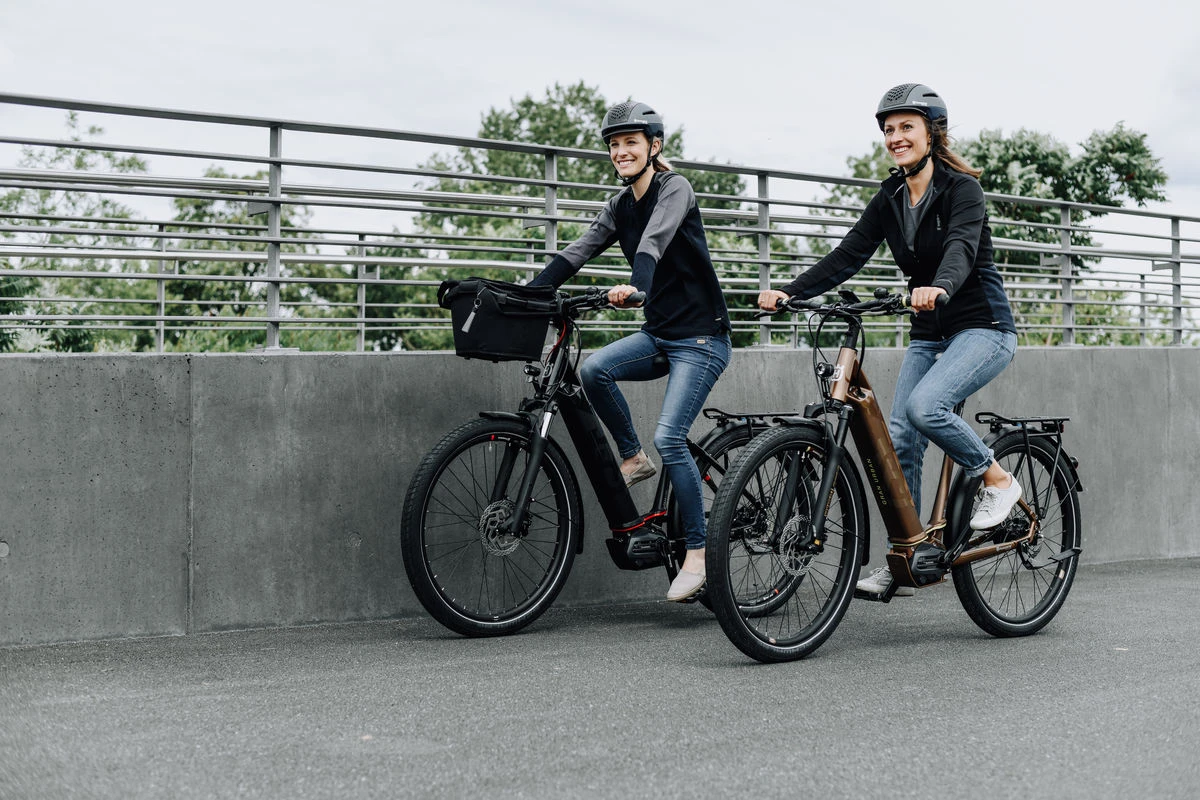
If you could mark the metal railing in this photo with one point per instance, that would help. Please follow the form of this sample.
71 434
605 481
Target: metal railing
194 258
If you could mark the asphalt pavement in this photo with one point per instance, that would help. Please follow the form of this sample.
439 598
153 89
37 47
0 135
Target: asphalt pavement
642 700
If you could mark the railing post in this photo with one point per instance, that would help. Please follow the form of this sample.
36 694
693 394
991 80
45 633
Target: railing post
1066 272
551 202
361 343
764 248
1176 284
274 227
1175 264
1142 310
160 327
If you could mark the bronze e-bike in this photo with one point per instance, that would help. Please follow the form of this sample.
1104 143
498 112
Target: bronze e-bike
789 529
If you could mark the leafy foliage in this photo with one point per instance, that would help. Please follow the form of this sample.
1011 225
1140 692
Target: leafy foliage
69 218
242 234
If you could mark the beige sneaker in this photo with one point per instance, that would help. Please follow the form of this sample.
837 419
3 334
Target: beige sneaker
644 469
684 586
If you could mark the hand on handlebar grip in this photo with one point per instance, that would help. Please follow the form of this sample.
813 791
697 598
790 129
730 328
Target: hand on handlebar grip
626 296
925 298
772 300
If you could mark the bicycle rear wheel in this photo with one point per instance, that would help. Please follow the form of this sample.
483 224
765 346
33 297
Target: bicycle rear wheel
777 596
1019 591
469 572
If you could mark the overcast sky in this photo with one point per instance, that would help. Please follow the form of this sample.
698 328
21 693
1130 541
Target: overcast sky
790 85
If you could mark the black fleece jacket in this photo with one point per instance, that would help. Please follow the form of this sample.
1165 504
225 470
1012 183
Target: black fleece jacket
952 249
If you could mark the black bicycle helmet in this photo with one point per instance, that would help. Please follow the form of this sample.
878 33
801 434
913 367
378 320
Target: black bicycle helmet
913 97
632 116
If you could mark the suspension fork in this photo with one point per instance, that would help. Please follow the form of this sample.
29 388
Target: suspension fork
835 442
537 450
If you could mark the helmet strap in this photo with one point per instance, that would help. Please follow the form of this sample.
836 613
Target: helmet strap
631 180
899 172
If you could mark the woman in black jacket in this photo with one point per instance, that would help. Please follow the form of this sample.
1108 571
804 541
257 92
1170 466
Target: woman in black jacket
932 214
656 221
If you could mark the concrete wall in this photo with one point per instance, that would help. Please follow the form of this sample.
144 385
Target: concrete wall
175 494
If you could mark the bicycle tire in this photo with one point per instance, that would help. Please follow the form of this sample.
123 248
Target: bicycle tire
471 578
1018 592
722 447
780 602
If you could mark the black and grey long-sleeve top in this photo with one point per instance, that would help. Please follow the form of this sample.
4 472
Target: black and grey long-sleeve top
662 238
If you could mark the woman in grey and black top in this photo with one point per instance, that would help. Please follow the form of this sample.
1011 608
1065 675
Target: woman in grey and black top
932 214
656 221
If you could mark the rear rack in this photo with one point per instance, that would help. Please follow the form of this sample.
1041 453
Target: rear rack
755 417
1039 425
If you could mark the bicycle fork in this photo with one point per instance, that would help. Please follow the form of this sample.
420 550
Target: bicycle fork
815 542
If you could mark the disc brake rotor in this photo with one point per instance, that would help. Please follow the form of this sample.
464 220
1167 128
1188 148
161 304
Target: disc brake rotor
793 556
496 538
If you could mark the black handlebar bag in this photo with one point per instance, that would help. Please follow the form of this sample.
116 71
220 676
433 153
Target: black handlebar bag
498 321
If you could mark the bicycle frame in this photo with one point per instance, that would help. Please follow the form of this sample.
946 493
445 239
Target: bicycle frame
638 541
918 555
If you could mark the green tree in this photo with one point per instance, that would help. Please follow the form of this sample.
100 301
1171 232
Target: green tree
567 116
71 218
217 224
1112 167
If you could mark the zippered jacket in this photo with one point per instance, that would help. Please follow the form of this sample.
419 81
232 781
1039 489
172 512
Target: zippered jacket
662 238
952 249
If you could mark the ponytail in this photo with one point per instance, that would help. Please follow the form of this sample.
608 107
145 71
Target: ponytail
942 152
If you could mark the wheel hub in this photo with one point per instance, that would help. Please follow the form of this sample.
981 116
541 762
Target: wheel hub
793 548
497 538
753 530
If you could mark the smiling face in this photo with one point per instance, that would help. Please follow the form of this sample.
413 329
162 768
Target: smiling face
906 136
630 151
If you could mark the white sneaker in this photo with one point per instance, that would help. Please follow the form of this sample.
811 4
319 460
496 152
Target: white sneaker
878 582
995 505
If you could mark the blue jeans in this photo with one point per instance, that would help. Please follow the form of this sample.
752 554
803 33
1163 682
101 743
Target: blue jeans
935 377
693 366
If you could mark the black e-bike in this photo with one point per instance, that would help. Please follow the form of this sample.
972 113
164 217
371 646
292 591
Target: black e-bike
493 517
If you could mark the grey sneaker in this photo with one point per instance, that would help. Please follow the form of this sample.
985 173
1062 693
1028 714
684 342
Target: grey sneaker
995 505
878 582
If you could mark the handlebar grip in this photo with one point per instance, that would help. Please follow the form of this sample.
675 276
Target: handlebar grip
940 300
637 298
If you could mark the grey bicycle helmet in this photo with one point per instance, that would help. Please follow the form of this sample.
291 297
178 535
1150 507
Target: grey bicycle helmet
632 116
913 97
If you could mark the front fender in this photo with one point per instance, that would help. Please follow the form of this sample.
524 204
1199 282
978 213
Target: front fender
513 416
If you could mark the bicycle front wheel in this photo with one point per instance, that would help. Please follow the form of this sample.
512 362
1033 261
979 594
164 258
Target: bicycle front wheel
776 593
1019 591
468 569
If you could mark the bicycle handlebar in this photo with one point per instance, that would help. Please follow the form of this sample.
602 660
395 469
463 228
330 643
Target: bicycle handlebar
889 303
597 297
